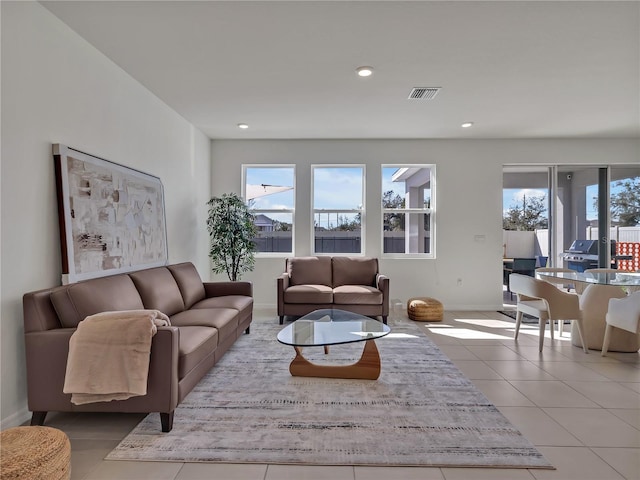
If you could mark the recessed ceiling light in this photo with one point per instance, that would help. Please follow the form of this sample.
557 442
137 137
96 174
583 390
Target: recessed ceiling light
243 126
364 71
467 124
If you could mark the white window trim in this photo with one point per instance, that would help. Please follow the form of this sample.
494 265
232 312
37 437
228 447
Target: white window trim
430 211
362 210
291 211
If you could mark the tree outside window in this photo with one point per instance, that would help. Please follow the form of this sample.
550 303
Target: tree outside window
407 193
527 214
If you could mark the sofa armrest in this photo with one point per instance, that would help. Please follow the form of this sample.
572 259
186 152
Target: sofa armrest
283 284
220 289
382 283
46 355
163 382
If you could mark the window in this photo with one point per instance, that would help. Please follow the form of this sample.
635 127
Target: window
407 209
270 194
338 208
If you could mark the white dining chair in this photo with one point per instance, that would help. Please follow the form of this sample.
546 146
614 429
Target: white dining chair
559 282
623 313
543 300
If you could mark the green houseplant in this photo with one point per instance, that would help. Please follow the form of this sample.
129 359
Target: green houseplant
231 229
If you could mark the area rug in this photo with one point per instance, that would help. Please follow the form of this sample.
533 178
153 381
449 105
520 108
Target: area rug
422 411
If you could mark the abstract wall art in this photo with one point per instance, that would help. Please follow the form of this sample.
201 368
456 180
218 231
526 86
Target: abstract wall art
112 218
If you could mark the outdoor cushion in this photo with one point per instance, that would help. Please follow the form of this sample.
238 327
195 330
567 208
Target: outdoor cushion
309 270
308 294
354 271
357 295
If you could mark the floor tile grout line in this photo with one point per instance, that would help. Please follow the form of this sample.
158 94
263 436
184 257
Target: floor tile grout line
605 461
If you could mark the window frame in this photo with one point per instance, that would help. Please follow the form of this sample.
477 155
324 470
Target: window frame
361 210
431 211
248 166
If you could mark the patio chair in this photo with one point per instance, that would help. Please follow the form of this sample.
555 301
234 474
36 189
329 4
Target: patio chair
543 300
623 313
524 266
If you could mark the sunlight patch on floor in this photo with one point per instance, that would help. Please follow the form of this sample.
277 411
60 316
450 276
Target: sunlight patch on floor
534 332
485 322
467 334
400 335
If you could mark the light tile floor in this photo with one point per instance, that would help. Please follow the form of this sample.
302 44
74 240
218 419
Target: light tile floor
581 411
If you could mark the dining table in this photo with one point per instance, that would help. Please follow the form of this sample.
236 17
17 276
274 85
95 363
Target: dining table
599 288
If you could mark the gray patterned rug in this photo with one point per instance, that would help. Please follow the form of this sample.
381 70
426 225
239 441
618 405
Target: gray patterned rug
422 411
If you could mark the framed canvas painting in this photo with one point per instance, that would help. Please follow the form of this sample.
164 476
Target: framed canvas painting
112 218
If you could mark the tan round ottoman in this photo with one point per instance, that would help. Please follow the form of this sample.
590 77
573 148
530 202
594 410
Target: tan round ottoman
35 453
424 309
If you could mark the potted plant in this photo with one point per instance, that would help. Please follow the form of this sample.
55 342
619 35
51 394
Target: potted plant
231 228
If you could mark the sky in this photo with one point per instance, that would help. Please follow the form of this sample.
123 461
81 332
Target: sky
512 197
342 188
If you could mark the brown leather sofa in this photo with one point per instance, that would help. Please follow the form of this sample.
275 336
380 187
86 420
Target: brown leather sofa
206 319
346 283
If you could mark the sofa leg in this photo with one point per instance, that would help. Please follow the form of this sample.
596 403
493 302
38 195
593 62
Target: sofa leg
37 418
281 319
384 319
166 419
248 330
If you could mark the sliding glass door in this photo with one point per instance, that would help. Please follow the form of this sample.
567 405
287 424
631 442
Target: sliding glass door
598 205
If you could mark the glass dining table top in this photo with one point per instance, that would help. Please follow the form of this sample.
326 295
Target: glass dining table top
621 279
331 327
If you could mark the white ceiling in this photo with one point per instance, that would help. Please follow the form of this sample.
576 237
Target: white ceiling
516 69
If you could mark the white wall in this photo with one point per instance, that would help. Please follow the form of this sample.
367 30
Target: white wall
468 203
519 244
58 88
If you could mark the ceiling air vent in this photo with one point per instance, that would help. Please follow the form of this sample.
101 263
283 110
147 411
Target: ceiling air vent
423 93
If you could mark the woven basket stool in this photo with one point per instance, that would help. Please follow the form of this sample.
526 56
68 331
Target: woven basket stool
424 309
35 453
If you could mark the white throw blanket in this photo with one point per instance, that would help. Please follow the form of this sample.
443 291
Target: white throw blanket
109 355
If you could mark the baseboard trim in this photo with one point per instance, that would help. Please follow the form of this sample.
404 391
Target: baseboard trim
16 419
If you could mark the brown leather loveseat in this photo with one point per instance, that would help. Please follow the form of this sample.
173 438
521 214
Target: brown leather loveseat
206 319
346 283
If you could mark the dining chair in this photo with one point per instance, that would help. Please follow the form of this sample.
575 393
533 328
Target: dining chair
558 282
623 313
545 301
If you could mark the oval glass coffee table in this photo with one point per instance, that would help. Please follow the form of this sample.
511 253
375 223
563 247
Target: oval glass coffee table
323 328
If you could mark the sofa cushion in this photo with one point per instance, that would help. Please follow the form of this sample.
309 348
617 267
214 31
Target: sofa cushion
225 320
237 302
308 294
158 290
196 343
189 283
309 271
354 271
76 302
357 295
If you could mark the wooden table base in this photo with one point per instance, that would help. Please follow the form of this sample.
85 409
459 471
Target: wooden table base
367 368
